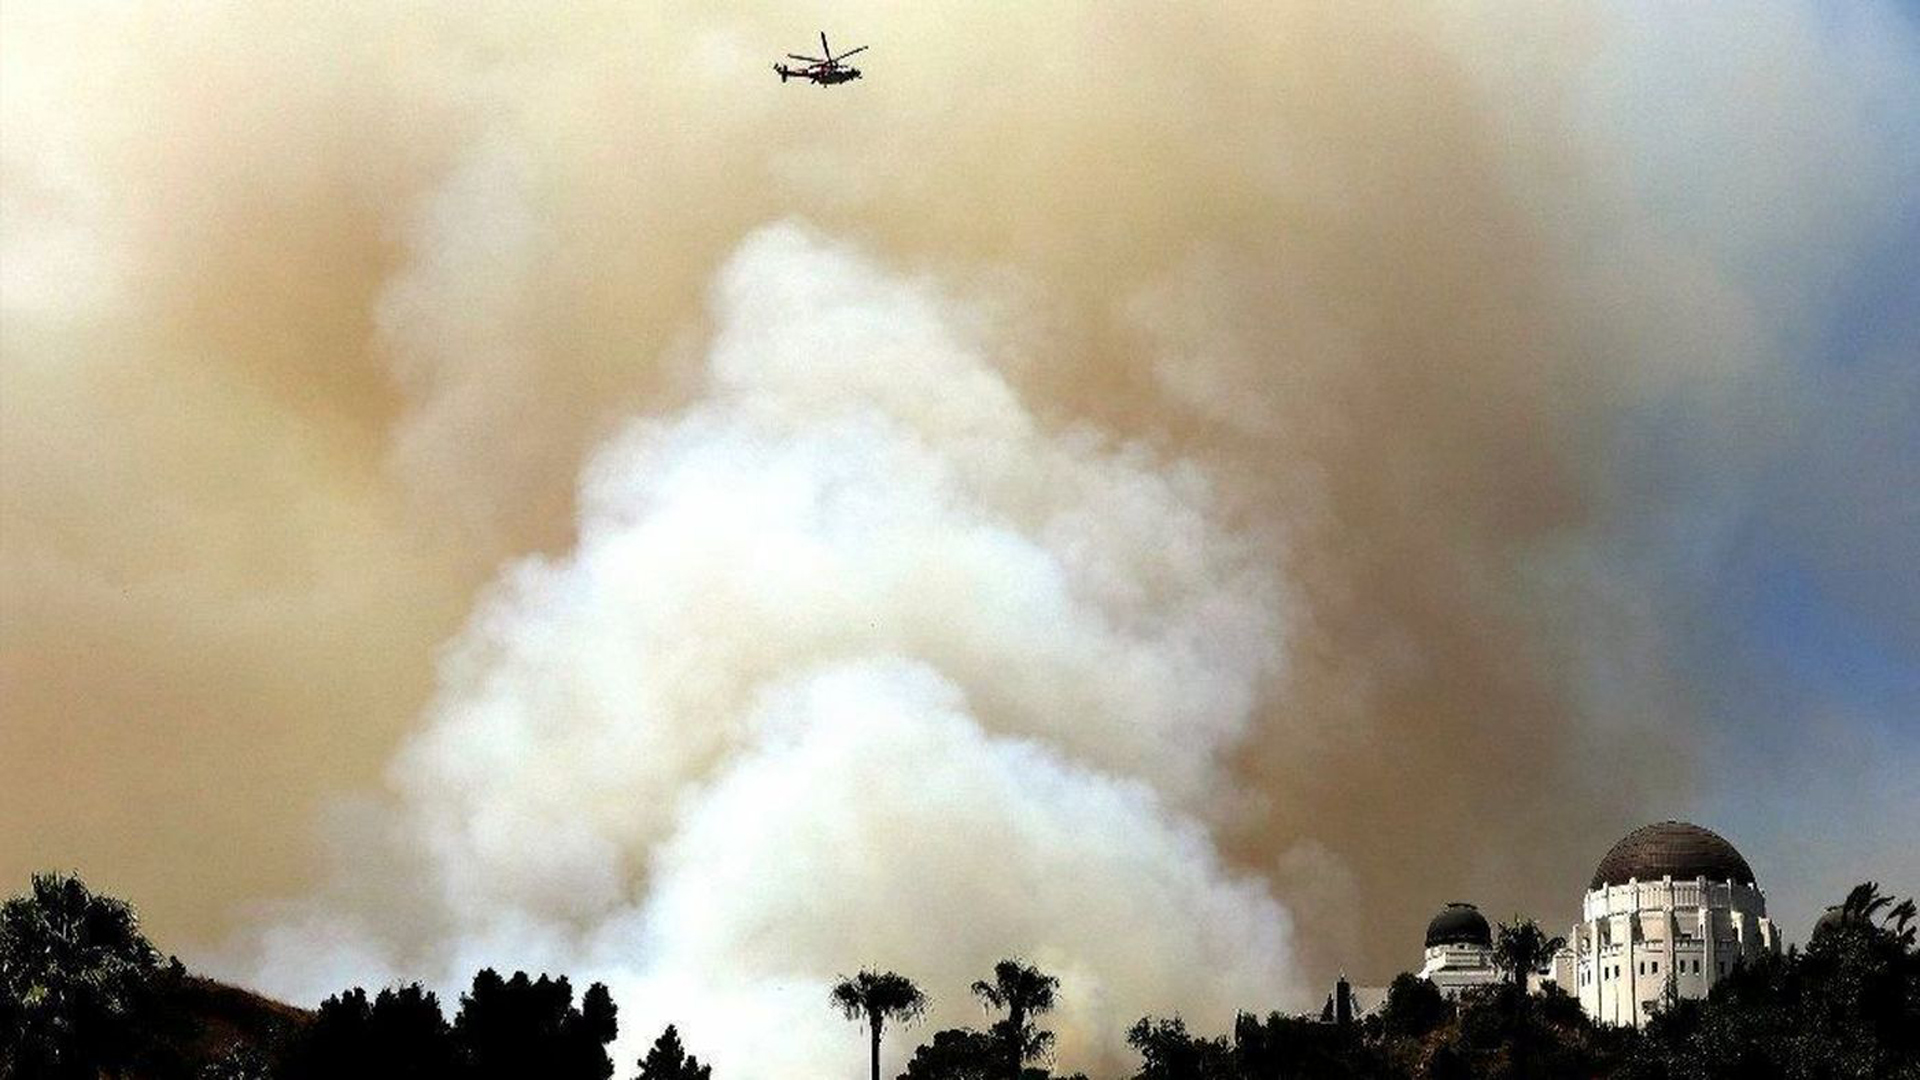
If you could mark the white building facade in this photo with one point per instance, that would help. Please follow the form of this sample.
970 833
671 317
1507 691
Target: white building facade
1672 909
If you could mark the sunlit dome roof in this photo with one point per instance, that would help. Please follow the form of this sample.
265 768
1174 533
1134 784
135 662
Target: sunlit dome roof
1459 924
1673 849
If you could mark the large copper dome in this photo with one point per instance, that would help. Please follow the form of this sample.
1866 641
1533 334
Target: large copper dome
1673 849
1459 924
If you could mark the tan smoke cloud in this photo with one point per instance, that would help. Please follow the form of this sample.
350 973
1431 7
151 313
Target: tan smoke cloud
1325 314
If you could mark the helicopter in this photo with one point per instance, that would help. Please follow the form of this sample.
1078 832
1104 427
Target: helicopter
825 72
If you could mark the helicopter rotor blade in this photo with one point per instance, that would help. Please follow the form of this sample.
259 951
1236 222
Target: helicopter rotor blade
808 59
826 48
844 55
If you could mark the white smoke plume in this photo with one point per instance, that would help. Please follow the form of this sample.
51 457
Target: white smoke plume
855 661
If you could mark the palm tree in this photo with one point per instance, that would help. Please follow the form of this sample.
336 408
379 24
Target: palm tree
1864 901
874 996
75 972
1025 992
1900 921
1521 947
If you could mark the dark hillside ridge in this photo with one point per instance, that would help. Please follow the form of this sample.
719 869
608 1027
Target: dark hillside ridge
196 1021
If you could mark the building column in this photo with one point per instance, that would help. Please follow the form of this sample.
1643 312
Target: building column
1670 928
1633 953
1710 946
1592 989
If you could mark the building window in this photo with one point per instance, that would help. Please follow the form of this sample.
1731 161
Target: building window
1656 967
1642 969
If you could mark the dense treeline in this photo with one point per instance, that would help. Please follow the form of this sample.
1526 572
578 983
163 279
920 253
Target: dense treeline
505 1029
83 994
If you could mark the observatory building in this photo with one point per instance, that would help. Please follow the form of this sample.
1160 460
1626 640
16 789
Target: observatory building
1459 950
1670 911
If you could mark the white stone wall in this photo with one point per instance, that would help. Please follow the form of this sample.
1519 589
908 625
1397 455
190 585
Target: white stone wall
1453 968
1635 939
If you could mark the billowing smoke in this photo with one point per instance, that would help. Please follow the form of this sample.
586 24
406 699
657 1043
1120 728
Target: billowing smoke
855 660
1175 492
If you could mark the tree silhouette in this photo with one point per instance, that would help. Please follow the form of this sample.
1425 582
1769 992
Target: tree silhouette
876 997
410 1036
1025 992
955 1054
1168 1052
75 972
1520 947
513 1028
505 1028
966 1054
598 1023
1294 1046
668 1060
1863 902
1414 1006
399 1033
339 1041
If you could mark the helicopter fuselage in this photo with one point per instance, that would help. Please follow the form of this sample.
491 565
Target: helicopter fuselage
825 76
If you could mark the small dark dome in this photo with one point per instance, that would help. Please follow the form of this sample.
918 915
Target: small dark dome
1673 849
1832 919
1834 915
1459 924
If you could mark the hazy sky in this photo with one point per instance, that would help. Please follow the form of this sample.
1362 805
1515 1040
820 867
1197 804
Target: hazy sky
477 482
